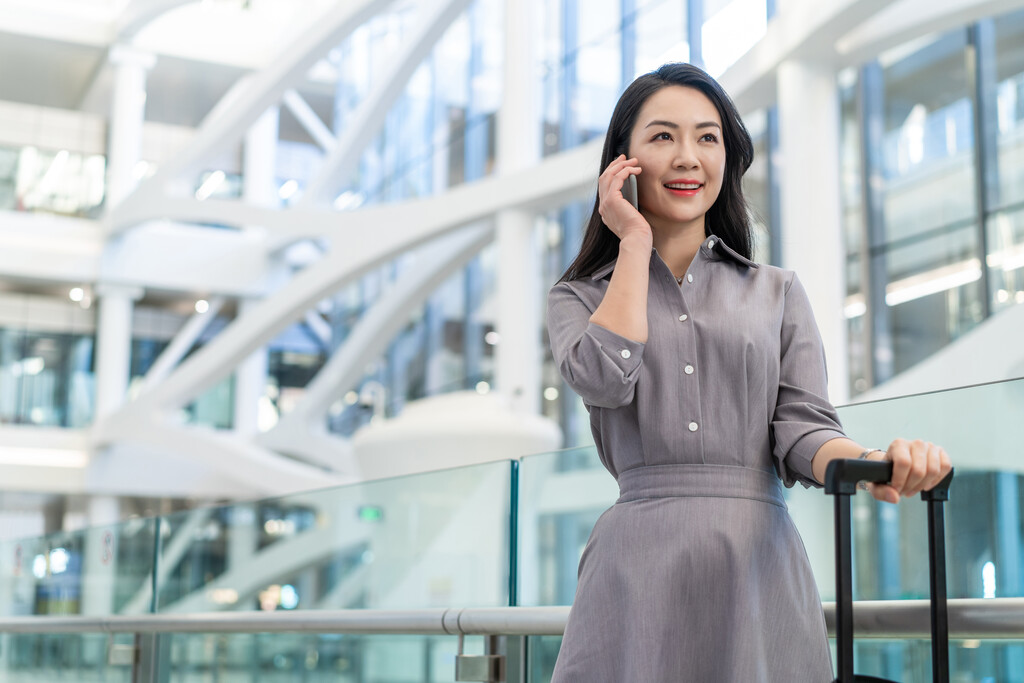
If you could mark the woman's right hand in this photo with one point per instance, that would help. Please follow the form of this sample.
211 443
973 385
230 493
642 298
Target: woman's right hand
616 211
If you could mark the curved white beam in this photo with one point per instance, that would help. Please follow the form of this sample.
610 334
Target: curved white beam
140 13
244 103
365 343
366 238
259 471
369 117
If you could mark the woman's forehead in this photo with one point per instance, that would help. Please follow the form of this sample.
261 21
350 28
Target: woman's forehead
679 105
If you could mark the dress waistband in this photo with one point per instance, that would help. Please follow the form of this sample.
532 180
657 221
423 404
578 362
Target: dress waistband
710 481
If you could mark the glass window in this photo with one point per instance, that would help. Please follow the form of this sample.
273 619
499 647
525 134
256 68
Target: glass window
1006 226
930 208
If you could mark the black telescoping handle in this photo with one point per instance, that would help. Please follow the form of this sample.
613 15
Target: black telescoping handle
841 479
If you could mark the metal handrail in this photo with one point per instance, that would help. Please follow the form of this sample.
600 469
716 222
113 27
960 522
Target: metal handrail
969 619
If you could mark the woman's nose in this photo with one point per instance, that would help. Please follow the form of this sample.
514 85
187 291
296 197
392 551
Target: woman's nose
685 157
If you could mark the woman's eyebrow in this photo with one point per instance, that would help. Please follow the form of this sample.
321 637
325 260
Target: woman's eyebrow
675 126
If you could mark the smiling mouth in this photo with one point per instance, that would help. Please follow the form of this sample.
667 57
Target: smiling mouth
684 186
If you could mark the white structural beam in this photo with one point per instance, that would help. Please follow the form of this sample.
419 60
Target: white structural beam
363 344
368 119
558 179
320 328
309 120
804 29
405 226
182 343
907 20
246 102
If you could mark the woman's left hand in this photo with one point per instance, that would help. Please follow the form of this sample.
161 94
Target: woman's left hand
916 466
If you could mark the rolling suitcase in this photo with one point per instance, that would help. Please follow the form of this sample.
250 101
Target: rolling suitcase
841 479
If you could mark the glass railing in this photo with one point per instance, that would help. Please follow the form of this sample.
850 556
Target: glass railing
490 535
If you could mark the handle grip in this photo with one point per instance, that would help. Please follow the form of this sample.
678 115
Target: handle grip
841 477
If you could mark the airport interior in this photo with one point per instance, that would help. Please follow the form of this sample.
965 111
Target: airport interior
272 318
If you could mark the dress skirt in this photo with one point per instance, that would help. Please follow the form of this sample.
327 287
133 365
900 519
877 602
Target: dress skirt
697 573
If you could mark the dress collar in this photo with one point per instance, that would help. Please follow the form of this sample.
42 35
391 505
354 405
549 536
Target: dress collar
712 247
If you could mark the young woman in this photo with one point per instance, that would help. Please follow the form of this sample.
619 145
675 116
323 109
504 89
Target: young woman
705 380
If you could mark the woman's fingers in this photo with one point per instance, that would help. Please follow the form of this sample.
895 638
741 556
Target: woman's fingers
916 466
899 454
616 212
884 493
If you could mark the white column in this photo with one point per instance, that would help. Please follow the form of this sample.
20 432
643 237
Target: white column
127 115
250 384
517 366
99 561
259 160
260 188
812 241
113 345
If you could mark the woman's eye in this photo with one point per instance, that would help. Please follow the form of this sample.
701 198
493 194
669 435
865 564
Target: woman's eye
662 136
710 137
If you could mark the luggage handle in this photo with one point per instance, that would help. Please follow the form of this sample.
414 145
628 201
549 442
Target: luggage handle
841 479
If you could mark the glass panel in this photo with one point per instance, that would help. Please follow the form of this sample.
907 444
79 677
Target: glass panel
986 661
286 657
1010 108
929 138
51 181
430 540
83 658
756 186
731 29
100 570
660 34
46 378
1006 258
561 495
934 292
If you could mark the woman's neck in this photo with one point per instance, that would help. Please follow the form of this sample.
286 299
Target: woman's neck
678 246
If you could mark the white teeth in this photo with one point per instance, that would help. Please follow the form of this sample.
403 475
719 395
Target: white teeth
683 186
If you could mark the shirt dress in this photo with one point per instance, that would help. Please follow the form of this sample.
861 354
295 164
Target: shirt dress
697 572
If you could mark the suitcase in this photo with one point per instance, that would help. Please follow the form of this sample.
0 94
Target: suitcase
841 479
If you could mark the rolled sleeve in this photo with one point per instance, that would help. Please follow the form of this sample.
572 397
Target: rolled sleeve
804 419
600 365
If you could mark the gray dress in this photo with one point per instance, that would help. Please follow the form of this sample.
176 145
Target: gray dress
697 572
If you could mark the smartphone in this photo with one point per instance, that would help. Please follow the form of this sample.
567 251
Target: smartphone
629 191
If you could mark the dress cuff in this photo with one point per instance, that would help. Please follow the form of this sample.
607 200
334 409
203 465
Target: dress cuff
625 353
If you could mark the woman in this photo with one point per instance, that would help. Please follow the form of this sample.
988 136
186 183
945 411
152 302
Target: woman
705 380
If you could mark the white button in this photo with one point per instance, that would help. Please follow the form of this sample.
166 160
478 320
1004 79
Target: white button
689 277
693 426
688 369
683 318
625 353
711 244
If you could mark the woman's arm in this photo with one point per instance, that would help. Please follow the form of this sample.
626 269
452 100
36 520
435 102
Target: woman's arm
623 310
917 465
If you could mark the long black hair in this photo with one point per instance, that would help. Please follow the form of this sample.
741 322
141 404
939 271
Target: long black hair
726 218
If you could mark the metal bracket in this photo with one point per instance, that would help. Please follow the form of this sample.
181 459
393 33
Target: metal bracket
489 668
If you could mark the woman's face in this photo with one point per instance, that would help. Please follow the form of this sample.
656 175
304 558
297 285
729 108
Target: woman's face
677 140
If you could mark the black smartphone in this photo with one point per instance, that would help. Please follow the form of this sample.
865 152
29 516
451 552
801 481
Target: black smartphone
629 191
